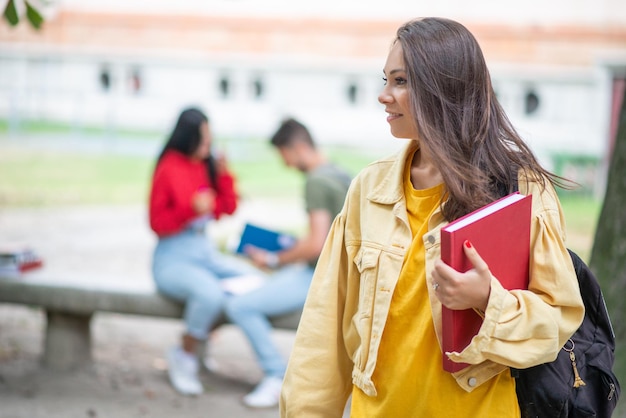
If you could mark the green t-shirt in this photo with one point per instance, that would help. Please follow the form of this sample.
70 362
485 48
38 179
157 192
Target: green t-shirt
325 189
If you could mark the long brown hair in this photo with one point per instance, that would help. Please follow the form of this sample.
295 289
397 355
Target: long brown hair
473 143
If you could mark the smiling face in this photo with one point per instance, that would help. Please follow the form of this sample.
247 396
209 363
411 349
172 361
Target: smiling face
395 96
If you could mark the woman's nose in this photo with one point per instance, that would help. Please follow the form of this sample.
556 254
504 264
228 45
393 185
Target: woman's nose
384 97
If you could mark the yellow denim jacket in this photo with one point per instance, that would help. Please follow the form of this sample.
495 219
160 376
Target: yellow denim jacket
345 313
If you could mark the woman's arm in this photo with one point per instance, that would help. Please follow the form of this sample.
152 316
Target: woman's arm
523 328
226 194
318 379
170 198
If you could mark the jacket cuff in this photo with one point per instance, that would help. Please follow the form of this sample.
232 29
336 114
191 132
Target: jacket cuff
473 353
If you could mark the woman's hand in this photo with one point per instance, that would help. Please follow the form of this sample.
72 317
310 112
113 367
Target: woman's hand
203 201
466 290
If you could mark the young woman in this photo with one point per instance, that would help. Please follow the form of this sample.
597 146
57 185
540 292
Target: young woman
189 188
371 326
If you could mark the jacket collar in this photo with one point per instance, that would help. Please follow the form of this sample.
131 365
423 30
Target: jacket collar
391 187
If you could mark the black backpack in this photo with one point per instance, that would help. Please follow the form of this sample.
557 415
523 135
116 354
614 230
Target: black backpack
580 382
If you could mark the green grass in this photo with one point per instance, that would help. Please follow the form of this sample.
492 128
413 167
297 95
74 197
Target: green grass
53 178
53 127
581 216
30 177
581 212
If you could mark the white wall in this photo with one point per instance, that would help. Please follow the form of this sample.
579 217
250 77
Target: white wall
571 114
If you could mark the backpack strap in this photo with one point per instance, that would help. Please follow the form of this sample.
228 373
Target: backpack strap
593 299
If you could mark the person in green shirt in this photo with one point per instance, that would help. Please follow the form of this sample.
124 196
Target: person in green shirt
325 189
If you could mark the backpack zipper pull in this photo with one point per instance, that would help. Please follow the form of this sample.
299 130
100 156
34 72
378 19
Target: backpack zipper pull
611 392
578 382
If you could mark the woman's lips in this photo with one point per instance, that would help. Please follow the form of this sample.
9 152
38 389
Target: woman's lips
393 116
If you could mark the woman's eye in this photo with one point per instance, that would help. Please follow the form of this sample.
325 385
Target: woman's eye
399 81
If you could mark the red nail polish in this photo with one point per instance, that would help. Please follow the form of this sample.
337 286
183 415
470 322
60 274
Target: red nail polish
468 244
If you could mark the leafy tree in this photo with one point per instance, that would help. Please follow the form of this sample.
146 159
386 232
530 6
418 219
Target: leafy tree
13 16
608 256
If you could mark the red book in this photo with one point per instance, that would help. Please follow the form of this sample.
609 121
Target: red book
500 232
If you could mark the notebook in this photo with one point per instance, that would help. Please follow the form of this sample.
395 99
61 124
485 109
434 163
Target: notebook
500 232
267 239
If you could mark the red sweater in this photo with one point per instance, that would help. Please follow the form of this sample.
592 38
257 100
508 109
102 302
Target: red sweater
176 178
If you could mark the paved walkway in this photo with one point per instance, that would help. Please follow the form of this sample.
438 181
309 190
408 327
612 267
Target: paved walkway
129 377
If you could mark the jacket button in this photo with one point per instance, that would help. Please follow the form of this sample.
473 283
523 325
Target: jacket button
430 239
471 382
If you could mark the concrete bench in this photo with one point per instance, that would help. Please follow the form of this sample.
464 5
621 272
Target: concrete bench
70 304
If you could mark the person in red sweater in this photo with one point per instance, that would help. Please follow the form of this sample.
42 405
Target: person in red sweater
190 187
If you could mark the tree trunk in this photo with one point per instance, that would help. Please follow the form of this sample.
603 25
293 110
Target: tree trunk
608 256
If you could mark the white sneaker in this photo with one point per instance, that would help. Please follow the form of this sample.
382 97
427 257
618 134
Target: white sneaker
183 372
266 394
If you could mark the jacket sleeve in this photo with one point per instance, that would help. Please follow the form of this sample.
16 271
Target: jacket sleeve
318 378
533 323
170 200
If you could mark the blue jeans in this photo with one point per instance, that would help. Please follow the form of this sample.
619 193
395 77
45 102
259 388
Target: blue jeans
187 267
285 292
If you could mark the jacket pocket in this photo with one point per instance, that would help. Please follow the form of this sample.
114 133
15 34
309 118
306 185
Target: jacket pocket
366 262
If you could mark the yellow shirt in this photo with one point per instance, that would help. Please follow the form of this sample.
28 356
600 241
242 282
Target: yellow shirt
409 377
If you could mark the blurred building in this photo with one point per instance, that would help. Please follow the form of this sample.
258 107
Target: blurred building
556 68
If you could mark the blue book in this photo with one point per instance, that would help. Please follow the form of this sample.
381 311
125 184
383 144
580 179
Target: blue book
263 238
